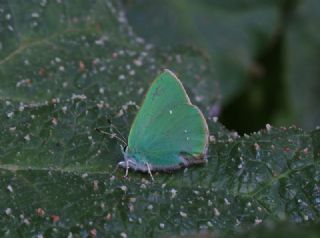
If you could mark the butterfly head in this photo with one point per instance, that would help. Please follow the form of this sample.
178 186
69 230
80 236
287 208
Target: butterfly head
123 149
132 160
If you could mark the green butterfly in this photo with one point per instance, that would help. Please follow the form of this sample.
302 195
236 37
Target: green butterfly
168 132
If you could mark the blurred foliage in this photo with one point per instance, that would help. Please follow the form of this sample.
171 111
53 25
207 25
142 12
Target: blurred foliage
268 229
282 230
263 54
67 69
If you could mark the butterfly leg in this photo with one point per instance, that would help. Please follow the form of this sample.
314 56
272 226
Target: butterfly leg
127 169
149 171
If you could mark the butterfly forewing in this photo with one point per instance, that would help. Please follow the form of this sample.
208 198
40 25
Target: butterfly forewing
166 91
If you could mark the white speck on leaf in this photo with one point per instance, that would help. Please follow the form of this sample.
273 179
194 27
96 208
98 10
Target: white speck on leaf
237 222
54 121
121 77
123 235
27 137
257 221
133 199
80 97
26 221
95 185
34 24
216 212
10 189
137 62
21 107
268 127
173 193
257 146
10 114
64 109
199 98
123 188
101 41
42 4
8 211
35 15
140 91
183 214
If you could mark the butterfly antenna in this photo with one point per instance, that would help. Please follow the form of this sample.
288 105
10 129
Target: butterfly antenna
112 135
112 126
149 171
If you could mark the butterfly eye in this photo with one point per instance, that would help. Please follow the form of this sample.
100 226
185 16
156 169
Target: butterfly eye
125 148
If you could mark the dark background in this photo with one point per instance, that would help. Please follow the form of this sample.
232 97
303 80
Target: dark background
264 55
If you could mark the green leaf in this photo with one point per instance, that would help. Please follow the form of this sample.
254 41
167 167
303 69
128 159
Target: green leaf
60 169
282 230
58 49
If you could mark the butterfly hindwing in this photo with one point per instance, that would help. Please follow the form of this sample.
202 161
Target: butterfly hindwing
177 132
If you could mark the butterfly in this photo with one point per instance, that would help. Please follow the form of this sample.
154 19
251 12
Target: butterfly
168 132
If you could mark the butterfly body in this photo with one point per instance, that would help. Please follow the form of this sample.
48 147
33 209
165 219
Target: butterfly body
168 132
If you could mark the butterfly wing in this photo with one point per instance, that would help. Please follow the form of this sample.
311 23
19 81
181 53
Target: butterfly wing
168 131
